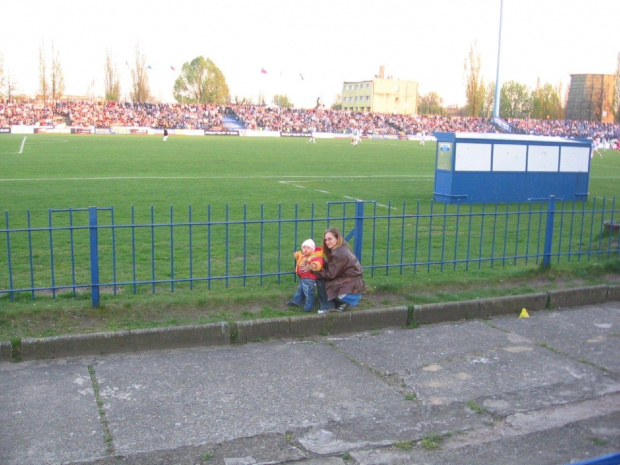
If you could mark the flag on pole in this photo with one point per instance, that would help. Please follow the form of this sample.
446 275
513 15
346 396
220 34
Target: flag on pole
302 78
149 66
127 63
262 70
172 68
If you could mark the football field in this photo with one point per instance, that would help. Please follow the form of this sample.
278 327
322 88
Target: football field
40 172
58 171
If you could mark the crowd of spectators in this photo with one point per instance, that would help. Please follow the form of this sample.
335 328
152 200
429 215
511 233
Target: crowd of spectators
80 113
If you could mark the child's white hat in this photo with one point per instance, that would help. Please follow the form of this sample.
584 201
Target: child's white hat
310 243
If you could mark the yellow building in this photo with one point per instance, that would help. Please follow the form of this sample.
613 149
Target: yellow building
591 97
381 95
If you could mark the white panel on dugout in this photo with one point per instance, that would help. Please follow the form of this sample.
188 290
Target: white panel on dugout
472 157
508 157
575 160
543 158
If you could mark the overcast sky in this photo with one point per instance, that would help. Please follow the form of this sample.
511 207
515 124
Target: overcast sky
325 41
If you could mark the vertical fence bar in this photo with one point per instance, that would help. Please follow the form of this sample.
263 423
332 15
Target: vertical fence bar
171 249
456 237
561 231
30 254
374 239
152 249
417 229
191 249
517 233
8 254
549 232
481 241
506 226
611 229
262 243
387 238
72 249
529 234
227 243
296 231
359 229
209 246
94 256
113 249
591 228
601 229
133 250
52 275
570 233
583 219
245 243
493 235
540 228
469 229
312 216
402 237
443 236
279 241
430 239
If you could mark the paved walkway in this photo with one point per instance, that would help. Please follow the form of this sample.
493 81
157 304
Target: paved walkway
505 390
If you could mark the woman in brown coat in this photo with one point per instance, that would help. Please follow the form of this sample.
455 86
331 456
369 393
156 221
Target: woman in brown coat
342 274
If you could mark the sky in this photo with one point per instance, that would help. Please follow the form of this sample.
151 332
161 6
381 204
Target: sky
309 48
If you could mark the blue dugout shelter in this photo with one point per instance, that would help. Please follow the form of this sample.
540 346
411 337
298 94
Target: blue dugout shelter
498 168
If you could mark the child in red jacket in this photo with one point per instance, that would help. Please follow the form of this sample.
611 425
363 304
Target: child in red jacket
311 255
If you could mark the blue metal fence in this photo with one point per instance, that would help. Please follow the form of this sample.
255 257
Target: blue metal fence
87 251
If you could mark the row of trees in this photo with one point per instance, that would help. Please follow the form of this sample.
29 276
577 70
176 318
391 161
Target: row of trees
201 81
516 99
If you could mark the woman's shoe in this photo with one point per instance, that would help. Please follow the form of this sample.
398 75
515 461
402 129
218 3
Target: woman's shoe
342 307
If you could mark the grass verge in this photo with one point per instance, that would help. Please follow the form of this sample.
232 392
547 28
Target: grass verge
47 317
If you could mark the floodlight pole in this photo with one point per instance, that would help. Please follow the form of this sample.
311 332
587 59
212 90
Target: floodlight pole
499 48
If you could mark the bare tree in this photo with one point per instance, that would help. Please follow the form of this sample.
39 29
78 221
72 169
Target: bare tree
57 78
112 80
43 83
489 100
474 85
141 91
617 93
2 77
11 87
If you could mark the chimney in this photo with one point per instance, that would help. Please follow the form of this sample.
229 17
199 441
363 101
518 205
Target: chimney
381 72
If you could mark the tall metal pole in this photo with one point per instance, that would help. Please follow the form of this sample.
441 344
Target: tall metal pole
499 49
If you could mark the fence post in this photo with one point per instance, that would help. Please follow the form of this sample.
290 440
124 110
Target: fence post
549 232
94 256
359 229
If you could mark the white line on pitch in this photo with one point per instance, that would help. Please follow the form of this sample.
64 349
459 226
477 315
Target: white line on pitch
21 149
157 178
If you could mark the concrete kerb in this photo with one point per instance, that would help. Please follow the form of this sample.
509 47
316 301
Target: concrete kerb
74 345
613 292
303 325
367 320
126 341
6 351
578 296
